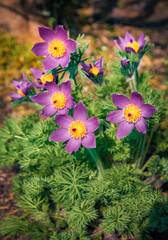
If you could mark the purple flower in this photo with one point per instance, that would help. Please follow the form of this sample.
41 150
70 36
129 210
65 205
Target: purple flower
125 62
42 78
77 130
129 44
56 100
57 47
132 113
95 69
21 87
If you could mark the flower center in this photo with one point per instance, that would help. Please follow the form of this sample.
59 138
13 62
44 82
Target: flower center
57 48
47 78
94 71
77 129
58 100
131 113
21 93
134 45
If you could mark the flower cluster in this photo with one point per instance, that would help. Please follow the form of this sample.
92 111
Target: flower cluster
57 49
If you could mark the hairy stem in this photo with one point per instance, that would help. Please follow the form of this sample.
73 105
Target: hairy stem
97 161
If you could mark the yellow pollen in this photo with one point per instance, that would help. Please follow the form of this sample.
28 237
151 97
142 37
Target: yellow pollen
77 129
131 113
47 78
94 71
134 45
57 48
58 100
21 93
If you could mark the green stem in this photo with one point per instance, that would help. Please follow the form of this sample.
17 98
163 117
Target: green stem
132 85
137 159
97 161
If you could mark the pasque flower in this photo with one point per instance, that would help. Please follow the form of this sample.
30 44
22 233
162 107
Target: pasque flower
42 77
132 114
95 69
21 87
56 99
129 44
77 130
125 63
57 47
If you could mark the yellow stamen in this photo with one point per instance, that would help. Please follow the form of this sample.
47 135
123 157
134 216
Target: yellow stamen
21 93
134 45
57 48
94 71
58 100
47 78
77 129
131 113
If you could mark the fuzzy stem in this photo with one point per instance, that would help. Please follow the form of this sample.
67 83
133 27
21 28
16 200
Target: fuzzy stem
132 85
137 159
97 161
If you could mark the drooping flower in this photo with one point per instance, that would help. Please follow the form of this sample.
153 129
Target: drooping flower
125 62
77 130
57 47
95 69
129 44
132 114
42 77
56 99
21 87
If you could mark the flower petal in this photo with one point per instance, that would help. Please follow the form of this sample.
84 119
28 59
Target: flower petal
89 141
129 50
63 120
136 99
141 40
124 128
48 111
40 49
71 45
52 87
92 124
66 88
50 62
60 135
120 100
80 112
129 37
42 98
115 116
99 64
37 85
62 111
16 96
122 43
37 73
85 67
141 125
61 34
64 61
16 84
47 34
73 145
70 103
147 110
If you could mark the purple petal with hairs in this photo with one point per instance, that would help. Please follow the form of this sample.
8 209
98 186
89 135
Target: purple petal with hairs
147 110
129 37
50 62
70 103
73 145
61 34
42 98
120 100
99 64
85 67
62 111
124 128
66 88
40 49
141 125
37 73
16 84
16 96
63 120
141 40
89 141
60 135
129 50
80 112
52 87
136 99
92 124
47 34
48 111
64 61
37 85
115 116
71 45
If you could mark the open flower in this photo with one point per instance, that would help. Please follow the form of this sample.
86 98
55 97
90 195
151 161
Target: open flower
42 78
132 113
21 87
95 69
56 100
129 44
57 47
77 130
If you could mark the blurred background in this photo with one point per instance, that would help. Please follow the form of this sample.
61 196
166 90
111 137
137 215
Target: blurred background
102 21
